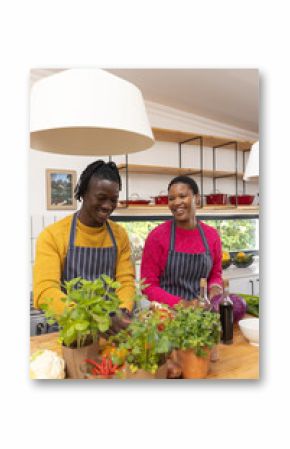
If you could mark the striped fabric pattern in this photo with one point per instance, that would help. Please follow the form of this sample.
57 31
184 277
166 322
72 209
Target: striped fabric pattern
183 271
87 262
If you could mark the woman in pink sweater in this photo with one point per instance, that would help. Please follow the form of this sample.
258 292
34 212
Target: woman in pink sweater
179 252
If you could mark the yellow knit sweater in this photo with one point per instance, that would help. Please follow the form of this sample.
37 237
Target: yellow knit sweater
51 249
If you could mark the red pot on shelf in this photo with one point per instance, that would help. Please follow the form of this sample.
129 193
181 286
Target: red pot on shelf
216 198
242 200
161 199
134 200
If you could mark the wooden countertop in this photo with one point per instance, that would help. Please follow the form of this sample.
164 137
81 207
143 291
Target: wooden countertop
237 361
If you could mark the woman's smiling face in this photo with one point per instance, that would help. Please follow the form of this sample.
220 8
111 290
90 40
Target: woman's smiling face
181 202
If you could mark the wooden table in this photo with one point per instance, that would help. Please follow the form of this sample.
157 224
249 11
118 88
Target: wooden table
237 361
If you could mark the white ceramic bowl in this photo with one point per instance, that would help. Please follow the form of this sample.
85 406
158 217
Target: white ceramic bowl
250 330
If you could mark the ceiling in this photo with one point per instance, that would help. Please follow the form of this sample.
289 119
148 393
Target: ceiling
229 96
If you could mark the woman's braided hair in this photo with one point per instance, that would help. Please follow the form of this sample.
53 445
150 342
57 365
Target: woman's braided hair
100 169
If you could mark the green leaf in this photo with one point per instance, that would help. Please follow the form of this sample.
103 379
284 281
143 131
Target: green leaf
107 279
115 285
163 345
104 326
70 331
82 325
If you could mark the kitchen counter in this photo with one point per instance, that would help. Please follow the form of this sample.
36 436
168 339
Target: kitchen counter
237 361
233 272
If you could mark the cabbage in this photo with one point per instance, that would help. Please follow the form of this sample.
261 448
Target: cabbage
239 305
46 364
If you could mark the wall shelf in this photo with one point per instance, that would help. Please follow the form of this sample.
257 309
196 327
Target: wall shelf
169 135
161 170
197 143
205 210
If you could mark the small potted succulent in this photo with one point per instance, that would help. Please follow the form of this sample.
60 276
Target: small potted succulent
87 314
192 334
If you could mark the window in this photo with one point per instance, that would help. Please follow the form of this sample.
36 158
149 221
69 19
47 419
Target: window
237 234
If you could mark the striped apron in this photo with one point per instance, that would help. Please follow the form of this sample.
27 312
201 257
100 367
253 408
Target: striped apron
89 262
183 271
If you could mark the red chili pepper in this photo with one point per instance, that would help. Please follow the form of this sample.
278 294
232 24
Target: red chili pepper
92 362
105 365
105 368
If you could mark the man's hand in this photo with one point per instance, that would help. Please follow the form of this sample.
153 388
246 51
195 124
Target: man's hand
120 322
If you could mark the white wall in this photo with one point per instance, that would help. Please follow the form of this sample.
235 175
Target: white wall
162 153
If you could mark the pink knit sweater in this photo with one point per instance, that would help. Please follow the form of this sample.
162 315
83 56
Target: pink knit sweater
155 255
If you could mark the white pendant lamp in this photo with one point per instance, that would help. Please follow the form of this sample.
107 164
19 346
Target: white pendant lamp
88 112
252 167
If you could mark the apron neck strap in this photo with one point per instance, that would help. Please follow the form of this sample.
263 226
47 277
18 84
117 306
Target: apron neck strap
111 235
73 228
199 227
204 240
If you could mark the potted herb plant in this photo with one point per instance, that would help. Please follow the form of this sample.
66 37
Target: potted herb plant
87 313
145 345
192 333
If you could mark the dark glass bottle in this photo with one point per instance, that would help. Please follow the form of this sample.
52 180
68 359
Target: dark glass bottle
227 315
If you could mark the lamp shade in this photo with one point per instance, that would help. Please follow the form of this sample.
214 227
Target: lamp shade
252 167
88 112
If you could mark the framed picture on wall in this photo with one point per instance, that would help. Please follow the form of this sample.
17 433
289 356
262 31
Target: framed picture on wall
60 185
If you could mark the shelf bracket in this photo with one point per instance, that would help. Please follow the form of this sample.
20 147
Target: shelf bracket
200 172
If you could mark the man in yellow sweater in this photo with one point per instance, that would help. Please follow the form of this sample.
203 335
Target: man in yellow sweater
86 244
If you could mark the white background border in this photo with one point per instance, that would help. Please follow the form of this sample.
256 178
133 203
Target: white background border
145 34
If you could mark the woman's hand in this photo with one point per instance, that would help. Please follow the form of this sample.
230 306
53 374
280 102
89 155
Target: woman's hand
189 302
215 290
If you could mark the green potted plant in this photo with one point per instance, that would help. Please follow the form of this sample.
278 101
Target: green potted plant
145 345
87 313
192 334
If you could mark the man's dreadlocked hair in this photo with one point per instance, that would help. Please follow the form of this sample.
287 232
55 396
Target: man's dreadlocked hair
98 169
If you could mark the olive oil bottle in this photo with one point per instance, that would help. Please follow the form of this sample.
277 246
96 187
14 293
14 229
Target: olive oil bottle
226 315
203 300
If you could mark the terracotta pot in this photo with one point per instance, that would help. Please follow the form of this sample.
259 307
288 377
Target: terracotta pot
214 354
192 366
75 357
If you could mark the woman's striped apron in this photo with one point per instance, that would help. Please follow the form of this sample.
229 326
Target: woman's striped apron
183 271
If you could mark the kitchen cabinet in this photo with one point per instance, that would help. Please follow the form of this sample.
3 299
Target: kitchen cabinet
246 285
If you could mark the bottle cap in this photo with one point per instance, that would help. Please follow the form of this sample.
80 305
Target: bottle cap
225 283
203 282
